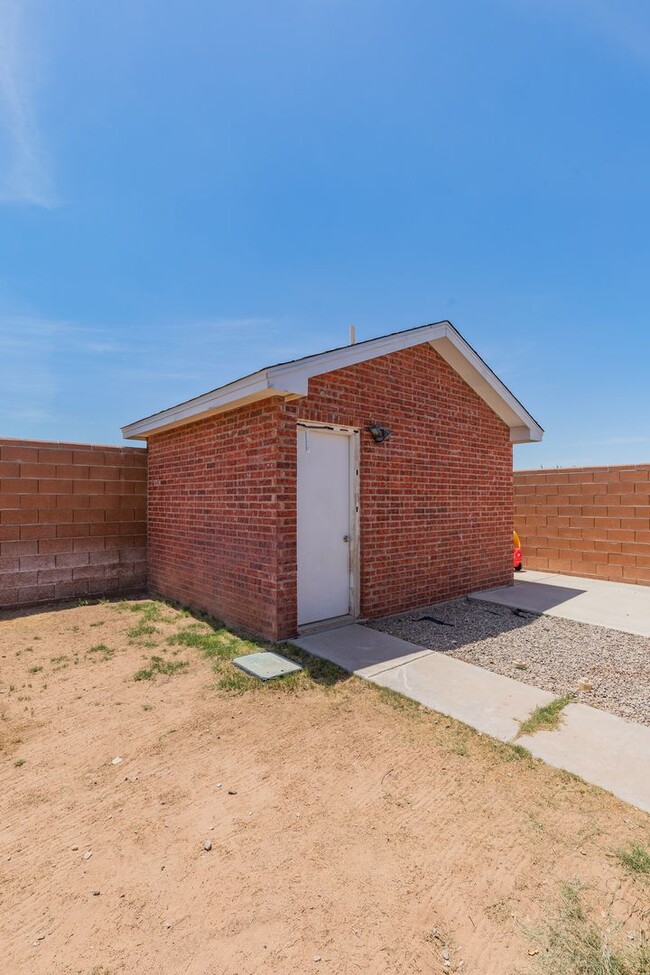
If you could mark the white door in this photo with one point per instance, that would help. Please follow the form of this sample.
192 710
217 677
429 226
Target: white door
325 516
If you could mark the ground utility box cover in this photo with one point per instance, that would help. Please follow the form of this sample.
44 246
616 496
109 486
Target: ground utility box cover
266 665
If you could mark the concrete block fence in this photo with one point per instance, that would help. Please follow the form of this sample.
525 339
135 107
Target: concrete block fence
587 521
72 521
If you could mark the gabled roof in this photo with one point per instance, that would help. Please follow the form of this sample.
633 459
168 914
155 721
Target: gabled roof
290 379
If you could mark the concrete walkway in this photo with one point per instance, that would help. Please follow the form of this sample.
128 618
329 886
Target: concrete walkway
617 605
601 748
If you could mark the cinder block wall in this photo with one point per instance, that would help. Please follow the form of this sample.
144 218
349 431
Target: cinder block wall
72 521
586 521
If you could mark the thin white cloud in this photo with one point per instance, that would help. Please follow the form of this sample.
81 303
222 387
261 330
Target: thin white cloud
623 24
24 171
36 336
43 359
30 416
34 353
219 325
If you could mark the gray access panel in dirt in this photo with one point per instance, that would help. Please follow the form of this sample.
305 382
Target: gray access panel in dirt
266 665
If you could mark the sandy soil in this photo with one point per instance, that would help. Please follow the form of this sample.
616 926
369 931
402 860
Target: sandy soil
351 833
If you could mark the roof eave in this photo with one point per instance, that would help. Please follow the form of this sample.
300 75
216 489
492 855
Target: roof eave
291 380
247 390
465 361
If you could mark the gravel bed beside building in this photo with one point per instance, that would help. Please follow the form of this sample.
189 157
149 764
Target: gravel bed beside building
602 667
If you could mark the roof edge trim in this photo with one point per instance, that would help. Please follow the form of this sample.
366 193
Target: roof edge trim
291 380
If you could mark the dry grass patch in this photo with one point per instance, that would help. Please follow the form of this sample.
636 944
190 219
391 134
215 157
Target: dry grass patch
573 944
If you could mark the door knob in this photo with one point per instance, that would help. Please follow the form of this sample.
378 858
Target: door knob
346 538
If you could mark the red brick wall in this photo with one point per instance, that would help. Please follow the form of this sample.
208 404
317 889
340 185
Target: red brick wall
436 499
213 517
72 520
589 521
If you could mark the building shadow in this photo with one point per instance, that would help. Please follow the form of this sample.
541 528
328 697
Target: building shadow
530 597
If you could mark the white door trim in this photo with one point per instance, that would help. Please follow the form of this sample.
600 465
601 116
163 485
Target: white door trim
355 506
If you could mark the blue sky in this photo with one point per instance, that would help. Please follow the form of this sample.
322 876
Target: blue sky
191 190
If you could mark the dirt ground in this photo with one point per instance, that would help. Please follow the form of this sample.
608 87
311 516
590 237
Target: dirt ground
350 831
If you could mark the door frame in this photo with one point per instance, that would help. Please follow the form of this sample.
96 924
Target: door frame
353 434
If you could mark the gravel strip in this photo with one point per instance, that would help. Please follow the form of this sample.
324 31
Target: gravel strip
554 654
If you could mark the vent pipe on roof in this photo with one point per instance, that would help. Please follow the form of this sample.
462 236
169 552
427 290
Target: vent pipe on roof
353 335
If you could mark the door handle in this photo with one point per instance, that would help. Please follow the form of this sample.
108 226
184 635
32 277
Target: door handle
347 538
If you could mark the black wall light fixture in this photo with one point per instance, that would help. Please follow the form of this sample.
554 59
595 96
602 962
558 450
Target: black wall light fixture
378 433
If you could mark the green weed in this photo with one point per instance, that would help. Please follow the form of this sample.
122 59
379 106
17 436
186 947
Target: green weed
219 643
460 748
142 629
106 652
635 858
511 752
158 665
149 610
398 701
236 682
545 718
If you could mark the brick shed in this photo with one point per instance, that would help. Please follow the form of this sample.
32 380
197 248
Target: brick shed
279 500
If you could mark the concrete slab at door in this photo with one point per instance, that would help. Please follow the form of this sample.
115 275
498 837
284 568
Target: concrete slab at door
323 524
359 649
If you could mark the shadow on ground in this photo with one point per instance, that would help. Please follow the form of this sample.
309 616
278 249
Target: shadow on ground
536 597
449 626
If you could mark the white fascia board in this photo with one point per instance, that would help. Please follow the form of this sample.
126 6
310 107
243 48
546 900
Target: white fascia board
296 375
288 379
242 391
449 343
478 375
291 380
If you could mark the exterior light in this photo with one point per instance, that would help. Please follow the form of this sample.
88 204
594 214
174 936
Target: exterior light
378 433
